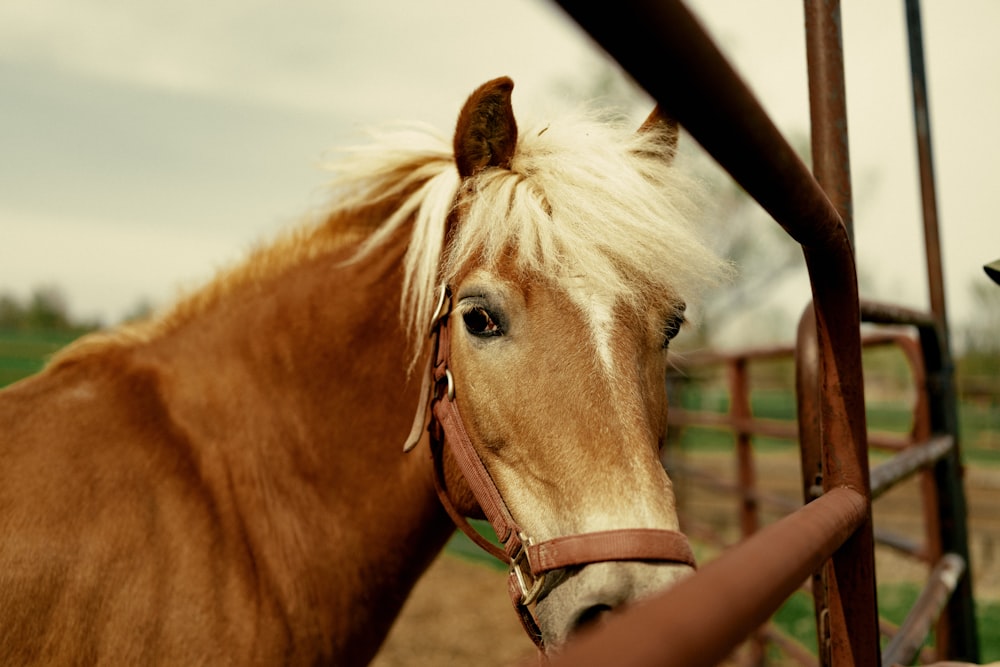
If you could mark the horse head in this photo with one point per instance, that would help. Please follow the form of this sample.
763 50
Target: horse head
563 303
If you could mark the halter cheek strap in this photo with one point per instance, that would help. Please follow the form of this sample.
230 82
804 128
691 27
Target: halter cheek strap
529 561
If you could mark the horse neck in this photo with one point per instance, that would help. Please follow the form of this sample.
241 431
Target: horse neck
295 395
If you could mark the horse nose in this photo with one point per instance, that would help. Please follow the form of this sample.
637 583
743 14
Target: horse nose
586 597
591 616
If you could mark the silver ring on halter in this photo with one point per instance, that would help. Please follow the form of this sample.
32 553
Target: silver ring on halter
451 384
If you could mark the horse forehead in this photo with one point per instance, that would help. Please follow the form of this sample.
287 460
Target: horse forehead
605 327
598 310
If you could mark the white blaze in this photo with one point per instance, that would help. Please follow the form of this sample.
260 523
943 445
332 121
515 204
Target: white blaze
599 310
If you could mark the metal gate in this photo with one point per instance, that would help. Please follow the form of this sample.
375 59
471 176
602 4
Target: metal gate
830 538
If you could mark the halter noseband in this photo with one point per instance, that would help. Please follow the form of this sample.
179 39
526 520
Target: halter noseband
529 561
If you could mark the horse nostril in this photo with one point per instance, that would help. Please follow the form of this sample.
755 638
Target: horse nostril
591 616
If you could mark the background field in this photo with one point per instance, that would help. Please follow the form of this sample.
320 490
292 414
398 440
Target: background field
24 352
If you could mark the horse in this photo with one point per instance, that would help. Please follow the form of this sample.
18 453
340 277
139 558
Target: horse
225 482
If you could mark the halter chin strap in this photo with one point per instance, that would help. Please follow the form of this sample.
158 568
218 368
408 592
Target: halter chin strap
529 561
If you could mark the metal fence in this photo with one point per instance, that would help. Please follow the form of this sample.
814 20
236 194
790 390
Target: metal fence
830 539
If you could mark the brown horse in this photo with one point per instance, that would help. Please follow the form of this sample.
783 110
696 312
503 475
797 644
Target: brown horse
225 483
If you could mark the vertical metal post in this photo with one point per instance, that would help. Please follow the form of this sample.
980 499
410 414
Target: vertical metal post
835 593
807 378
828 106
739 392
957 635
925 161
740 410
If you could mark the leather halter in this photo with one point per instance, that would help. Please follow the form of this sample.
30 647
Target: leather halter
529 561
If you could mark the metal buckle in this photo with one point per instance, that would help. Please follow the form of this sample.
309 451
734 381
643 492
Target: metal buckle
529 594
440 309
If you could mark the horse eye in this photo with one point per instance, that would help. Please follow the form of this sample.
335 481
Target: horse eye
479 322
673 326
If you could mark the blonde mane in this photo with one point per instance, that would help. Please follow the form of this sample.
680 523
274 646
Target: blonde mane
586 201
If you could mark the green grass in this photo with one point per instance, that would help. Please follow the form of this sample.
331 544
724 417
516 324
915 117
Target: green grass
988 622
461 545
23 353
795 617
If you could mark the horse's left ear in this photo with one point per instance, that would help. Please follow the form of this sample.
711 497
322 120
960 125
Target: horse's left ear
993 271
666 127
486 134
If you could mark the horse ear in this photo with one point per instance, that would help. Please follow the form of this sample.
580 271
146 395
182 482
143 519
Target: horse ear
993 271
486 134
667 128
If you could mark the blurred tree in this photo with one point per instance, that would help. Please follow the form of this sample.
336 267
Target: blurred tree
11 312
141 310
982 333
46 309
979 364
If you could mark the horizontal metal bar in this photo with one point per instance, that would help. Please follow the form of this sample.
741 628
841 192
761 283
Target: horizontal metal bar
749 577
876 312
692 360
772 428
910 460
903 647
889 441
900 543
691 473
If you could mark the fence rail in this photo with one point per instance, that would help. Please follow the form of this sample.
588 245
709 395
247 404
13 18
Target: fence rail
831 538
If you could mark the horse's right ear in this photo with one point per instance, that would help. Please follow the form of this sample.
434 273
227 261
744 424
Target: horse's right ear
486 134
666 127
993 271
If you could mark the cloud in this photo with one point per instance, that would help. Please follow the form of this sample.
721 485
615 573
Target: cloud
309 54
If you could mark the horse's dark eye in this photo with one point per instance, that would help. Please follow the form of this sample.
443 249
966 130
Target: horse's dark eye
479 322
673 326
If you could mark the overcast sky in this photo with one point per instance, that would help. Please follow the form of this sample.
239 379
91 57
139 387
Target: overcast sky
147 143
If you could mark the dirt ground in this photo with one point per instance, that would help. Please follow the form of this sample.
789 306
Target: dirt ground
460 614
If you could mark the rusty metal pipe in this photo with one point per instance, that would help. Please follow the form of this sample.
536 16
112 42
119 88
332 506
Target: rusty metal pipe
925 161
771 428
909 461
807 384
668 52
828 105
708 479
687 625
846 611
900 543
941 584
739 409
957 635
